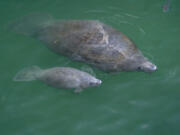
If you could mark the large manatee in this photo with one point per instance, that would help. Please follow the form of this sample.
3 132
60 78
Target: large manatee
89 41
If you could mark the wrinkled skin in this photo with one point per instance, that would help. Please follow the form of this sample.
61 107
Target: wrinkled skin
94 43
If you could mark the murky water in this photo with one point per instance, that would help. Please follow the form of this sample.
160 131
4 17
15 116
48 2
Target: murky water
126 103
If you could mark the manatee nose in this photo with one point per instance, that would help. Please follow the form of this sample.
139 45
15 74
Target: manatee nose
95 82
99 82
153 67
149 67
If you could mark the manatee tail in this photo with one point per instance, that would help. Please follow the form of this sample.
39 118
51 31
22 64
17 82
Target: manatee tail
31 24
28 74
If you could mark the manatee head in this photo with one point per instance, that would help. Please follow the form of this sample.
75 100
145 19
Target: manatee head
90 81
147 66
139 63
94 82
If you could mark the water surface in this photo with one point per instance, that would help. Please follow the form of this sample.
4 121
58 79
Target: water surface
126 103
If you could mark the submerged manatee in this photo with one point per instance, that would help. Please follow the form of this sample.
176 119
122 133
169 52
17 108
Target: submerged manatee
59 77
88 41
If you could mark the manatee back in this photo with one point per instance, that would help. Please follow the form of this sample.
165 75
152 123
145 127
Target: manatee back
70 36
60 78
120 41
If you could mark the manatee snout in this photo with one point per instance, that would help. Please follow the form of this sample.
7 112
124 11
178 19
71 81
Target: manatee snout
147 66
95 82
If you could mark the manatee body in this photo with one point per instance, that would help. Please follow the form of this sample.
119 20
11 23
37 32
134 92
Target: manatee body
59 77
90 41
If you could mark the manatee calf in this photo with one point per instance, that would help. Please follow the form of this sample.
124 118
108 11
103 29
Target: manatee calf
59 77
88 41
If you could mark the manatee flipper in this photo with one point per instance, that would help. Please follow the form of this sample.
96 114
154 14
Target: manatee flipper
28 74
32 23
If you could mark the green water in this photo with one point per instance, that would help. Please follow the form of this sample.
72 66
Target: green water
125 104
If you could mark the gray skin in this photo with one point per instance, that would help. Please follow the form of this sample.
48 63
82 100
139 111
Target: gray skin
68 78
95 43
